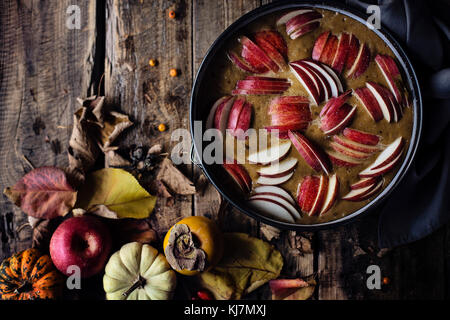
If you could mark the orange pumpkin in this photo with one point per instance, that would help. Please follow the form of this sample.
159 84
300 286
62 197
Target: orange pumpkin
29 275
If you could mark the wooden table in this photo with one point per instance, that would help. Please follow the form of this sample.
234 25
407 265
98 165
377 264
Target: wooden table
44 67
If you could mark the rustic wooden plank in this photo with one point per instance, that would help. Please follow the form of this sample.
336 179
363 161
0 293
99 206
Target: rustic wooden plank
44 67
137 31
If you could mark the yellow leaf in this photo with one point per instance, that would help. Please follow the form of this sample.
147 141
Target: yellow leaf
247 264
115 193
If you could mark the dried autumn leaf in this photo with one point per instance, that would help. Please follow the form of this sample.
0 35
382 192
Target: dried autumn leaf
42 233
115 193
114 124
173 179
43 193
247 264
115 160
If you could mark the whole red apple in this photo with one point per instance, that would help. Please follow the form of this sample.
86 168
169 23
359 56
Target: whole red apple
81 241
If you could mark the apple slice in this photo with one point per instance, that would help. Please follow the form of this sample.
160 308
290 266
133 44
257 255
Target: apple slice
275 39
288 16
241 64
370 104
274 181
243 122
212 112
274 190
333 122
319 45
382 99
278 169
331 195
258 53
361 62
307 193
353 50
307 82
349 152
335 77
371 172
313 156
272 209
269 155
390 153
342 160
361 137
343 141
333 82
286 204
320 197
323 82
310 26
221 115
289 99
364 182
341 52
394 105
329 51
253 60
240 175
264 85
391 73
359 194
271 51
320 88
294 127
298 21
334 103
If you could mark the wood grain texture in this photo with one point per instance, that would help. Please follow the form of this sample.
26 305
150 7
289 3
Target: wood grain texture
44 67
137 31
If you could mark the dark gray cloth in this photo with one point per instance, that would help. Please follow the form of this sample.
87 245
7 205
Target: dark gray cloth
421 202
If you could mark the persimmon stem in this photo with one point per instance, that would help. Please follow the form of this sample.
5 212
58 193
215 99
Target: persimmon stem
140 282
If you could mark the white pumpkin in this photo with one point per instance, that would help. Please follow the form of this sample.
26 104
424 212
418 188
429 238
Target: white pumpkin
138 272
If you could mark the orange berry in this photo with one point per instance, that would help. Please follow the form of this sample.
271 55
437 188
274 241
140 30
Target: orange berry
152 62
162 127
173 72
386 280
172 14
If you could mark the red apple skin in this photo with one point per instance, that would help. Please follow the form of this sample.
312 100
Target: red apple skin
369 102
243 122
240 63
272 52
308 82
341 52
334 103
307 193
81 241
305 29
353 50
262 84
320 197
312 155
275 39
388 66
258 53
235 113
330 50
240 175
361 136
252 59
255 92
344 141
362 63
341 160
349 152
298 21
333 121
319 45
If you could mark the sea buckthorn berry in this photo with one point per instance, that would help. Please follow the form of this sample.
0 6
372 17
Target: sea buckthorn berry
162 127
386 280
173 72
152 62
172 14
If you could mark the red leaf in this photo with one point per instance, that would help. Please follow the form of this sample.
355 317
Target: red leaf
43 193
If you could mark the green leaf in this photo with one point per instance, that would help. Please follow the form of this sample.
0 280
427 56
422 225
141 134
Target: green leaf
115 193
247 264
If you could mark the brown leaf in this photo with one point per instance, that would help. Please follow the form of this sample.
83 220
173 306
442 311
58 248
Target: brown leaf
115 160
300 243
158 188
269 233
42 233
132 230
173 179
83 149
115 123
43 193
